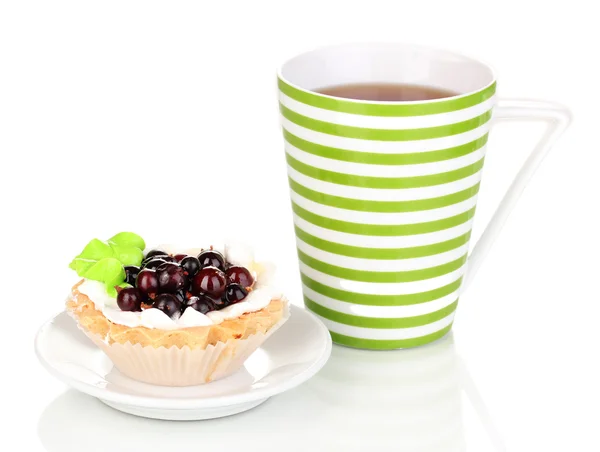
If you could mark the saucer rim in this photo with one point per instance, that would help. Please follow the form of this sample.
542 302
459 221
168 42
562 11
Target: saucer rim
167 403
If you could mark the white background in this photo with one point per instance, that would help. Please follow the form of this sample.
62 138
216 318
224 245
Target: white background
162 118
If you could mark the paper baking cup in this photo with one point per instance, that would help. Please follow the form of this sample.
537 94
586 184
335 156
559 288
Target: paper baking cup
176 366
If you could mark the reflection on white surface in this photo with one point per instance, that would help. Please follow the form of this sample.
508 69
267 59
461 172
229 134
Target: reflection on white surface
407 400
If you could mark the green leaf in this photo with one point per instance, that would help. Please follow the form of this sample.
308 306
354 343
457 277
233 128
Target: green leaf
104 261
112 292
128 255
96 250
108 270
128 239
81 266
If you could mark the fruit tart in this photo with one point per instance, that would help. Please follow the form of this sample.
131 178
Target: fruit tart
174 316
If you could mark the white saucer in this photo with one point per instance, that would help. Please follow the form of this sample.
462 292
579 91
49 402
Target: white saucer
291 356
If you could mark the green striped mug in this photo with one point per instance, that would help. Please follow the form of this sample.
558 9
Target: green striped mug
384 193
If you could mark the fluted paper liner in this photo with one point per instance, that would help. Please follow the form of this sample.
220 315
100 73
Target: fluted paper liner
183 366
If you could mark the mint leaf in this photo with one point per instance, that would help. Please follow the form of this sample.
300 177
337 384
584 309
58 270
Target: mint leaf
96 250
93 252
81 266
108 270
128 255
128 239
104 261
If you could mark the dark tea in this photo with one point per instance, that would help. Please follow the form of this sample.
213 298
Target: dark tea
386 92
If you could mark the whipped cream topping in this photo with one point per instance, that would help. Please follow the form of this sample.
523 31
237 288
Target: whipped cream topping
263 291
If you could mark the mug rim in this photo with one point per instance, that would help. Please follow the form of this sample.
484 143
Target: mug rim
488 86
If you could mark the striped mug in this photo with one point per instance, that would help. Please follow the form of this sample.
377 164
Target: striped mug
384 193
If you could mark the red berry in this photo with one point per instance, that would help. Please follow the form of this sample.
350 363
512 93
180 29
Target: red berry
179 257
171 277
209 280
240 275
168 303
235 293
154 263
154 253
131 274
147 283
129 299
202 303
191 265
211 258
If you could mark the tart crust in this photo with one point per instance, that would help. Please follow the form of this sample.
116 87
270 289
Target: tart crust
94 322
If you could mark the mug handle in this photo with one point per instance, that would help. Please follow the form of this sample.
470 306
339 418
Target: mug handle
557 118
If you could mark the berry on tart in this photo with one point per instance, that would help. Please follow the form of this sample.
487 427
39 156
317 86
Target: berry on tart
154 253
191 265
239 275
179 257
131 274
235 293
211 281
158 279
182 295
173 283
171 277
153 263
129 299
211 258
147 283
201 303
168 303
